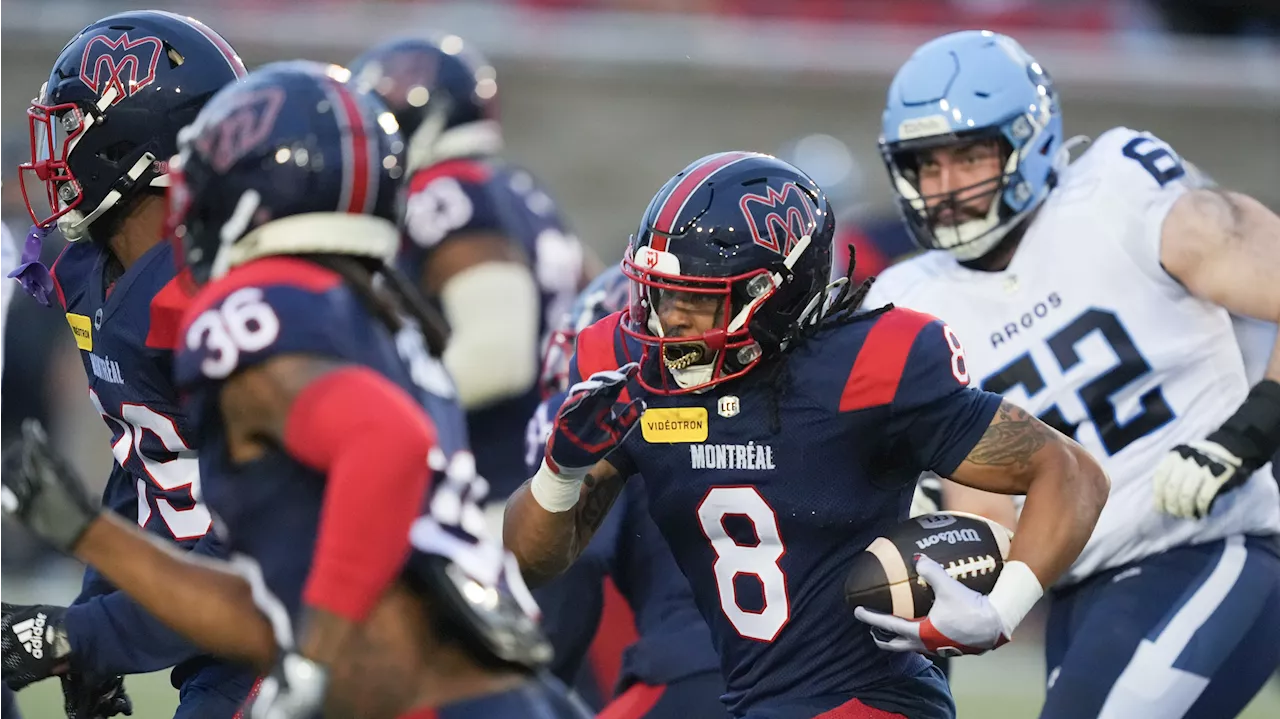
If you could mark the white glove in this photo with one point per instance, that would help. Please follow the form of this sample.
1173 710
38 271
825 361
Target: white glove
1192 476
294 689
961 620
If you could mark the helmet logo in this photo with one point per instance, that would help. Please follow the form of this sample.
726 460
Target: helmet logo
127 65
241 128
779 218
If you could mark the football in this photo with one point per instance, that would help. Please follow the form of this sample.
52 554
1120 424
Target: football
883 577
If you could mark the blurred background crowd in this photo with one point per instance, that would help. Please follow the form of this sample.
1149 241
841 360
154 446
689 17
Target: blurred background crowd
605 99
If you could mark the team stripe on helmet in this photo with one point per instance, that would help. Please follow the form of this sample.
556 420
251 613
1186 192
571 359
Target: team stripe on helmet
679 196
357 157
223 46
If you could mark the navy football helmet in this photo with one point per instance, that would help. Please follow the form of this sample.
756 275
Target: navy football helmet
606 294
442 91
746 229
105 124
289 161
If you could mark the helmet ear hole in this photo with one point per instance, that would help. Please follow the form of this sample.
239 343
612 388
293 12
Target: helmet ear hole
116 151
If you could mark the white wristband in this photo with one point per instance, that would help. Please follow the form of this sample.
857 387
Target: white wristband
1016 591
554 492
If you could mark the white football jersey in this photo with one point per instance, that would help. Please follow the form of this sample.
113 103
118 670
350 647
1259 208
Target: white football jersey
8 262
1086 330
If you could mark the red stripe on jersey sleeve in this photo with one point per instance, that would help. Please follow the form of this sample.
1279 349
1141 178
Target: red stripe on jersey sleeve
595 352
167 310
53 275
878 368
474 171
288 271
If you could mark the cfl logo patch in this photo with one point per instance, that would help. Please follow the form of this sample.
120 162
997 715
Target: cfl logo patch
30 633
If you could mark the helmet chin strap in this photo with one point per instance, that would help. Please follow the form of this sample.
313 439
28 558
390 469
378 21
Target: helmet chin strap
74 225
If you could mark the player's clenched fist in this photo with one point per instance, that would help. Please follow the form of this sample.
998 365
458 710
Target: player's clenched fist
593 420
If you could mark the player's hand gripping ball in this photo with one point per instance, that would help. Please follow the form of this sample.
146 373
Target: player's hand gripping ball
924 586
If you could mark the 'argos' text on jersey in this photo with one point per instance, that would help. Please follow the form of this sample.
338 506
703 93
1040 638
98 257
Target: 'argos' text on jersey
1026 320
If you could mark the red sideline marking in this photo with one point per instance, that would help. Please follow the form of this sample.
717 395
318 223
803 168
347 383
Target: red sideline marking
878 367
287 271
634 703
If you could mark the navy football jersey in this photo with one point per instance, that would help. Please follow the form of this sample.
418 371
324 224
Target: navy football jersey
269 508
767 487
125 332
673 640
462 197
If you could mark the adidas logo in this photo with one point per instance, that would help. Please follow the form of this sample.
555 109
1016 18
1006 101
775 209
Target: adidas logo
31 633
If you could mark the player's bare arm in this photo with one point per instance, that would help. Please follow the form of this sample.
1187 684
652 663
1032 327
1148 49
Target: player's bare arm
551 517
1065 486
546 543
203 599
1224 247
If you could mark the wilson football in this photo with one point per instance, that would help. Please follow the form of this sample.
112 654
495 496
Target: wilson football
883 577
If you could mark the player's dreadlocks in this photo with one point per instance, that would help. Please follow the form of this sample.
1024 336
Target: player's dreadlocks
845 308
391 299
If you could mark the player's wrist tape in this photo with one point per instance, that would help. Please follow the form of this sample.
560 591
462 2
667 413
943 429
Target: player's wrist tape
1253 432
556 493
1016 592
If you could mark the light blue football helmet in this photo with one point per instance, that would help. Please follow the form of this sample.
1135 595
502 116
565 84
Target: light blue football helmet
962 87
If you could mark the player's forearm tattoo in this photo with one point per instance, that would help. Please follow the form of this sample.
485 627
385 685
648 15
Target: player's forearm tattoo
598 495
1011 440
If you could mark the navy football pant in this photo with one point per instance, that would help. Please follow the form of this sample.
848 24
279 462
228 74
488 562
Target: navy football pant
1193 633
693 696
215 692
542 697
925 695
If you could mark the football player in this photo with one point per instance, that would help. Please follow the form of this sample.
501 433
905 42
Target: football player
483 239
1099 292
781 435
102 130
340 477
671 670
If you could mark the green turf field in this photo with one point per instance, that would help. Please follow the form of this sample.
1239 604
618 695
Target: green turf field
1001 686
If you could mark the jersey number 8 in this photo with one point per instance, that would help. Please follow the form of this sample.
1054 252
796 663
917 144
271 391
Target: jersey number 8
759 560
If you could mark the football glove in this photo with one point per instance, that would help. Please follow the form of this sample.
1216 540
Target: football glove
1189 480
294 689
34 643
89 697
961 620
42 491
592 421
